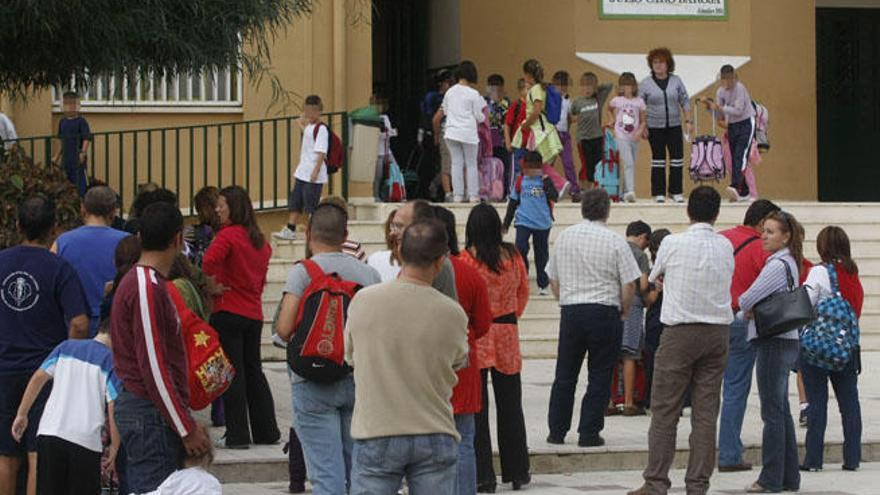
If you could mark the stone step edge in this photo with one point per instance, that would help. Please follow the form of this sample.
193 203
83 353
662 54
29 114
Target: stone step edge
543 461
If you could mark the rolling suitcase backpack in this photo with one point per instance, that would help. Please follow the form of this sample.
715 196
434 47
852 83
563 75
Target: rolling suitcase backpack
707 156
608 169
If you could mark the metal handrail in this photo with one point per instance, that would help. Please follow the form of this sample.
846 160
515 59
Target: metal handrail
256 154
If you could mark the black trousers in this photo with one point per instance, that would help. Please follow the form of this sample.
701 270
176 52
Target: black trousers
248 399
65 467
512 445
671 140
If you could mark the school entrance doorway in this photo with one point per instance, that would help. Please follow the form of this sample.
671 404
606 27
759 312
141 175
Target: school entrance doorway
848 100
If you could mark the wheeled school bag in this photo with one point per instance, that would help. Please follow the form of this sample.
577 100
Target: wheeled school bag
608 169
762 126
491 179
394 184
830 341
316 351
707 156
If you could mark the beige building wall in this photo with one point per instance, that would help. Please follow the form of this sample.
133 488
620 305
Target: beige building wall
778 35
328 53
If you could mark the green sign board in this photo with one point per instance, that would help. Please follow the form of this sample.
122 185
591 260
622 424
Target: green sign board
711 10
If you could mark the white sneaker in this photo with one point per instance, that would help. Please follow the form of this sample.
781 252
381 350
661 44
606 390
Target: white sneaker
543 292
733 194
474 200
678 198
285 235
660 199
278 342
449 198
564 189
629 197
458 199
746 199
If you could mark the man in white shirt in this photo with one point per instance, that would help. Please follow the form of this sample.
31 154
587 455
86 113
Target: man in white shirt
591 272
694 269
311 173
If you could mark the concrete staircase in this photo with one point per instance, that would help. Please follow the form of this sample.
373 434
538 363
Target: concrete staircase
540 323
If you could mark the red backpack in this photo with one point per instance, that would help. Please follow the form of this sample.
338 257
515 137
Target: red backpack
335 157
209 368
317 349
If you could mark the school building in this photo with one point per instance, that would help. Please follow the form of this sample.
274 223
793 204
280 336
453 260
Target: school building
813 63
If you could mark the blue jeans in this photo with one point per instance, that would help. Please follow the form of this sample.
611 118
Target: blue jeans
846 388
541 240
322 420
592 330
737 385
153 450
428 462
466 472
779 452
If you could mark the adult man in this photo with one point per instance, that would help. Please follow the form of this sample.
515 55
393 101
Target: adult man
749 258
322 411
41 304
696 267
415 211
91 248
405 340
592 273
152 410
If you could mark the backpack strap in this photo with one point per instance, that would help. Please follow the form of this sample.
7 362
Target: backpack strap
744 244
312 269
832 277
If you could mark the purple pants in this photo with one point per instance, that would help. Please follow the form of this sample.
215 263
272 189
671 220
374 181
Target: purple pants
568 162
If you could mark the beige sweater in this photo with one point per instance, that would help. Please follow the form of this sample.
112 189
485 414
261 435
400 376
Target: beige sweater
405 342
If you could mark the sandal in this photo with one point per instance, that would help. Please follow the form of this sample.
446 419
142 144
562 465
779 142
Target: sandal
757 488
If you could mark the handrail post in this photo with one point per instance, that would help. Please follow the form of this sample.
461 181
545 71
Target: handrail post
345 163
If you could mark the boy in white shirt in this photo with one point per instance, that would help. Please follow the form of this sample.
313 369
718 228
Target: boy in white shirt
69 443
311 173
193 479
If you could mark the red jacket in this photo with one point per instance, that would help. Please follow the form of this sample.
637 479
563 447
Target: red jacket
516 115
148 352
233 262
748 262
474 299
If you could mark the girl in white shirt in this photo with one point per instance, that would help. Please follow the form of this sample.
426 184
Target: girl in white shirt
463 108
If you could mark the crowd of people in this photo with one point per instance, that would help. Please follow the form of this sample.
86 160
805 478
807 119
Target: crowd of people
390 356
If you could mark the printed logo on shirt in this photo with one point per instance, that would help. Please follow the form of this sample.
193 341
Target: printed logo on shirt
590 107
20 291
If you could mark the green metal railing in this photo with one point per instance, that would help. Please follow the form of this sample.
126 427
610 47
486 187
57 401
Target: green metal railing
259 155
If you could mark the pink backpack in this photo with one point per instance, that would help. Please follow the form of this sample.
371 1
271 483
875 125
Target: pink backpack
707 157
491 178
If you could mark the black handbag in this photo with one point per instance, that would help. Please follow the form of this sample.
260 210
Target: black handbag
783 311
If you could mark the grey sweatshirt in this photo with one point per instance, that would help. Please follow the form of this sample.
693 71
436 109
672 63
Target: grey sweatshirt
663 106
736 104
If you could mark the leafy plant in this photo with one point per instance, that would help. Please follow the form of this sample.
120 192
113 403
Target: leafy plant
23 179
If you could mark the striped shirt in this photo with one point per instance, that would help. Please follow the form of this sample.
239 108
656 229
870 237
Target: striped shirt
697 267
591 264
147 346
773 279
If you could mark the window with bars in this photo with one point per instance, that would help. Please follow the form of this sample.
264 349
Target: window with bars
218 89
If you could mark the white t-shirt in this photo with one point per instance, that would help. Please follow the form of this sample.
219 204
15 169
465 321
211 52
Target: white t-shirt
189 481
463 107
84 382
562 125
385 136
381 261
308 153
7 131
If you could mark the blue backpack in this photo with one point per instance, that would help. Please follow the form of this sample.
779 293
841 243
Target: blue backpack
608 169
830 341
553 105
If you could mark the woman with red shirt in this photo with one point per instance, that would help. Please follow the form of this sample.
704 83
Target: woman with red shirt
466 399
238 259
498 351
834 250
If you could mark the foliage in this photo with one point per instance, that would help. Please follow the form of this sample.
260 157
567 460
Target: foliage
46 42
23 179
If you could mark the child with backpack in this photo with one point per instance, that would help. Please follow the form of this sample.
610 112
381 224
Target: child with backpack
562 80
588 110
531 202
312 171
628 111
499 104
69 444
513 120
543 110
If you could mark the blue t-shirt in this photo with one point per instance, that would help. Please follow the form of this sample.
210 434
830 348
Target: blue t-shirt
91 249
533 211
73 132
39 294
